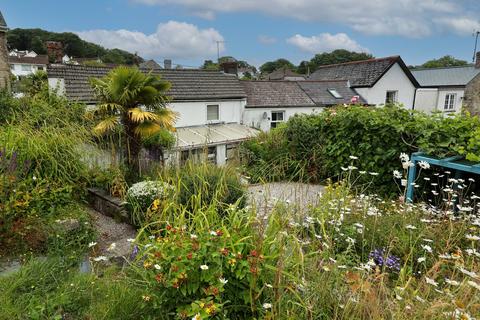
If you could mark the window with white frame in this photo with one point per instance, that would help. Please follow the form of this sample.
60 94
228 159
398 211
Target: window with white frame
449 104
213 113
277 117
391 97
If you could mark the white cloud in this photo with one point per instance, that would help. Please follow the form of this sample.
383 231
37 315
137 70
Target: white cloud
409 18
264 39
175 40
460 25
325 42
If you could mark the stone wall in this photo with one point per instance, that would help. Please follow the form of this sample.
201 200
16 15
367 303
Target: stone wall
471 100
4 66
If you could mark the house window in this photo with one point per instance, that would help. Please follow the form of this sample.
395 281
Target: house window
212 113
391 97
449 102
40 68
277 117
26 67
334 93
199 155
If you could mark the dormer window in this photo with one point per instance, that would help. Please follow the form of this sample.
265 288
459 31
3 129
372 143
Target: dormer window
334 93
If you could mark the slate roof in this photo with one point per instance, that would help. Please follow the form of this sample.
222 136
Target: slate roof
3 24
318 92
39 59
150 64
187 84
264 94
449 76
363 73
276 94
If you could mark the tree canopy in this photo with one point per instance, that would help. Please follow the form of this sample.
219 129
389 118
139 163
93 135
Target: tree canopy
211 65
445 61
334 57
34 39
271 66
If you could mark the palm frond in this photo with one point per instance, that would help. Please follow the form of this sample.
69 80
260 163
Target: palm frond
147 129
167 118
106 125
138 115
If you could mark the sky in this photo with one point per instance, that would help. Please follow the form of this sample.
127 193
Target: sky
187 31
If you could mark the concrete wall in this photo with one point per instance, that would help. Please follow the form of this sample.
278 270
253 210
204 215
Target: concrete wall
394 80
253 117
472 96
195 113
4 67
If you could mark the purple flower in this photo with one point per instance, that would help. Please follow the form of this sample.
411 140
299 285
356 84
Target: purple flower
380 258
134 253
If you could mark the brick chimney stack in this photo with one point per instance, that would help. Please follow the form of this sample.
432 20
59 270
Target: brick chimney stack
4 66
477 60
54 51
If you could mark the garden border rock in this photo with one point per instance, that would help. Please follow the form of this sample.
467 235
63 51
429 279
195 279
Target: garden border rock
110 206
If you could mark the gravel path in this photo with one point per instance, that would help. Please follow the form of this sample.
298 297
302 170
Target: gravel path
266 196
111 231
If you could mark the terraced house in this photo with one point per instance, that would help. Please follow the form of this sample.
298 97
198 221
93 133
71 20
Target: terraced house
210 105
377 81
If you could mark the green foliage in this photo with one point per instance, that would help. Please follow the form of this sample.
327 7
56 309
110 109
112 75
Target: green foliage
111 179
270 66
334 57
41 166
34 39
33 83
206 185
209 273
210 65
445 61
316 147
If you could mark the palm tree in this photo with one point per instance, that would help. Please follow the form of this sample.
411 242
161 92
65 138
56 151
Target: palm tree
135 103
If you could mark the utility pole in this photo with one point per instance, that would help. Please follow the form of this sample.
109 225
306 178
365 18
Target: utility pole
218 50
475 34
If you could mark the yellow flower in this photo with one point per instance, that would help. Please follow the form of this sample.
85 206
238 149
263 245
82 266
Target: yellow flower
232 262
211 310
146 298
147 264
155 204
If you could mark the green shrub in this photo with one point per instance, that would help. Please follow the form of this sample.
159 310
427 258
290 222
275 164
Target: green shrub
315 147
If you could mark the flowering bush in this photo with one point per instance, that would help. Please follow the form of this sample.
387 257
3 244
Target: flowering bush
202 275
142 195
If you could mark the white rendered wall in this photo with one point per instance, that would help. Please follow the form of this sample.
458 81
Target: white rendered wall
459 93
221 154
430 100
57 84
426 100
253 117
195 113
394 80
16 69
